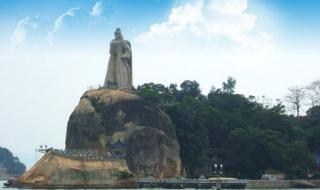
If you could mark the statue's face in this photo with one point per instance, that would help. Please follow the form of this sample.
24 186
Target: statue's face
117 35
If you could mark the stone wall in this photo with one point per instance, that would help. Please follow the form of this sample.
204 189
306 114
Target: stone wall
282 184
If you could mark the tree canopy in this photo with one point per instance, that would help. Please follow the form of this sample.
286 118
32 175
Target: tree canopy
227 128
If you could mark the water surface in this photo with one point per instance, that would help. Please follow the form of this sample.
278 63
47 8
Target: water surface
2 182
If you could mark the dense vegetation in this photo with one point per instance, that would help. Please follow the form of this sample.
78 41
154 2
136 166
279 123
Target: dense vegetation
11 163
246 136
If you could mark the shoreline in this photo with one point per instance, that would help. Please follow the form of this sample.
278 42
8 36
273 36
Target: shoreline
191 183
282 184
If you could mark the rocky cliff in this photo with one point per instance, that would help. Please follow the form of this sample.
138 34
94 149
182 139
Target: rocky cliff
56 171
105 117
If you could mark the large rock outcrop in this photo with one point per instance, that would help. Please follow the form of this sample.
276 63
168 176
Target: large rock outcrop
105 117
56 171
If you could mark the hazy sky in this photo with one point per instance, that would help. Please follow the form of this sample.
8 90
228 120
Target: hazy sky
52 51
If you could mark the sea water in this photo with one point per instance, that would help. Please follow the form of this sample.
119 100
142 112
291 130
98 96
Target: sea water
2 188
1 183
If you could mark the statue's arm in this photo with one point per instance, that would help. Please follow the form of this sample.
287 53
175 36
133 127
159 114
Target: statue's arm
127 50
110 49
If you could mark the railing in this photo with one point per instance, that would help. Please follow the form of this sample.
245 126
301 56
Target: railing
188 180
81 154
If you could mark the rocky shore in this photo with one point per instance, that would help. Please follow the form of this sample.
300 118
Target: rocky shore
56 171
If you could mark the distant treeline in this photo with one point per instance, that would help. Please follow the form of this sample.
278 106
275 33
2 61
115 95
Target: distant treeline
246 136
10 164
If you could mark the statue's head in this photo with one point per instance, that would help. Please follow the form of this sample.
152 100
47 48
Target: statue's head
118 35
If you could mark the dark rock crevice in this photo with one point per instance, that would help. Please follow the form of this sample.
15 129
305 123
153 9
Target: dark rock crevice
106 116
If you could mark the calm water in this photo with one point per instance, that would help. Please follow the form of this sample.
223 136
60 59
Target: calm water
2 182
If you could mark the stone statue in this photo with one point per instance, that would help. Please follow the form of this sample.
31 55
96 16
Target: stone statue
119 73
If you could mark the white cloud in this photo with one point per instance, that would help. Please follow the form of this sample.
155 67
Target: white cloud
234 7
97 9
224 19
72 18
207 41
180 19
20 33
59 22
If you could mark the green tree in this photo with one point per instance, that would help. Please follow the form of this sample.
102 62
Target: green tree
312 127
190 88
300 159
233 103
243 134
191 133
251 151
229 85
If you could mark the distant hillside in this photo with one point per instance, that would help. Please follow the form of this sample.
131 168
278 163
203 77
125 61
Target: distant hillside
10 165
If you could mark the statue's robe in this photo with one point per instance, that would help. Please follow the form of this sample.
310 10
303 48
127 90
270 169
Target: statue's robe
119 73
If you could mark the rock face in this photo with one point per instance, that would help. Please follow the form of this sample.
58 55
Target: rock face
105 117
54 171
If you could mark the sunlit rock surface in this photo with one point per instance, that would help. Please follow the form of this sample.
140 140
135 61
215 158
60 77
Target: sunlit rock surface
105 116
53 171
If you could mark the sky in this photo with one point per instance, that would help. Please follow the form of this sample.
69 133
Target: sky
52 51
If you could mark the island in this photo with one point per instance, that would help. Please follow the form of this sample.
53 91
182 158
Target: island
113 137
174 136
10 165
